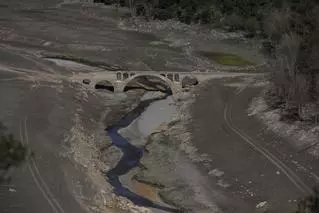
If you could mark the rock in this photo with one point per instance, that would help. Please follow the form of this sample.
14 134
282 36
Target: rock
216 173
162 14
48 43
187 89
309 112
152 95
315 130
262 207
223 184
12 190
112 156
189 81
86 81
163 127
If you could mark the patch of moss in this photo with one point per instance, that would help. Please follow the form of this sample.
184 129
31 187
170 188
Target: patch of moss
226 58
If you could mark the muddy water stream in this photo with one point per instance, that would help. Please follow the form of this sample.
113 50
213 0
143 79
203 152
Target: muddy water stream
145 118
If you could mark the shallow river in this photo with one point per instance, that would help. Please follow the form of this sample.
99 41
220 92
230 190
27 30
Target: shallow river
138 124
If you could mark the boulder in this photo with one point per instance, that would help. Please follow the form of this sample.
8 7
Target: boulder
262 207
111 156
86 81
189 81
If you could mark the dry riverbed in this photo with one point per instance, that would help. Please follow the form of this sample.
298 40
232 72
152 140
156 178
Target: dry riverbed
166 171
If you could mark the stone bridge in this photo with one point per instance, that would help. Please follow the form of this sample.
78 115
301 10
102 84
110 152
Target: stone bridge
120 79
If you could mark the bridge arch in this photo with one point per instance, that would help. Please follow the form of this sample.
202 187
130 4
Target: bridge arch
104 85
167 81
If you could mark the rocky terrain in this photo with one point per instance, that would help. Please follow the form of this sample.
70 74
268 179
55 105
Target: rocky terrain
194 158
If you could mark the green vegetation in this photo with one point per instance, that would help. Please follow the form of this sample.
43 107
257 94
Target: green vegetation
226 58
229 14
233 15
12 153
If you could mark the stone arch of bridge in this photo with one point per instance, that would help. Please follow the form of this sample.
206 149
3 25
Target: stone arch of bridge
104 84
169 82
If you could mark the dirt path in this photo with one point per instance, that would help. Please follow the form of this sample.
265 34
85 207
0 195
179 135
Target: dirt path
291 175
243 156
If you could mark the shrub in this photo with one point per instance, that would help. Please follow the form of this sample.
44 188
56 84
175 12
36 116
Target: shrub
252 25
268 48
140 10
207 14
309 204
12 152
276 23
233 22
162 14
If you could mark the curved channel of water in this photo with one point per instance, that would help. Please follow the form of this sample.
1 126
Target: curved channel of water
130 159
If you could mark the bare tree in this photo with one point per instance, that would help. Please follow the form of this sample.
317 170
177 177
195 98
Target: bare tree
310 204
132 7
294 76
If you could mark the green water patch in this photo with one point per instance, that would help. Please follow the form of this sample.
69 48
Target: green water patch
228 59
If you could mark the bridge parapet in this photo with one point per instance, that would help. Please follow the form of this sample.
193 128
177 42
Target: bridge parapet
172 76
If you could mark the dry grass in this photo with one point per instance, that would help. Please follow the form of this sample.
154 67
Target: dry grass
305 136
